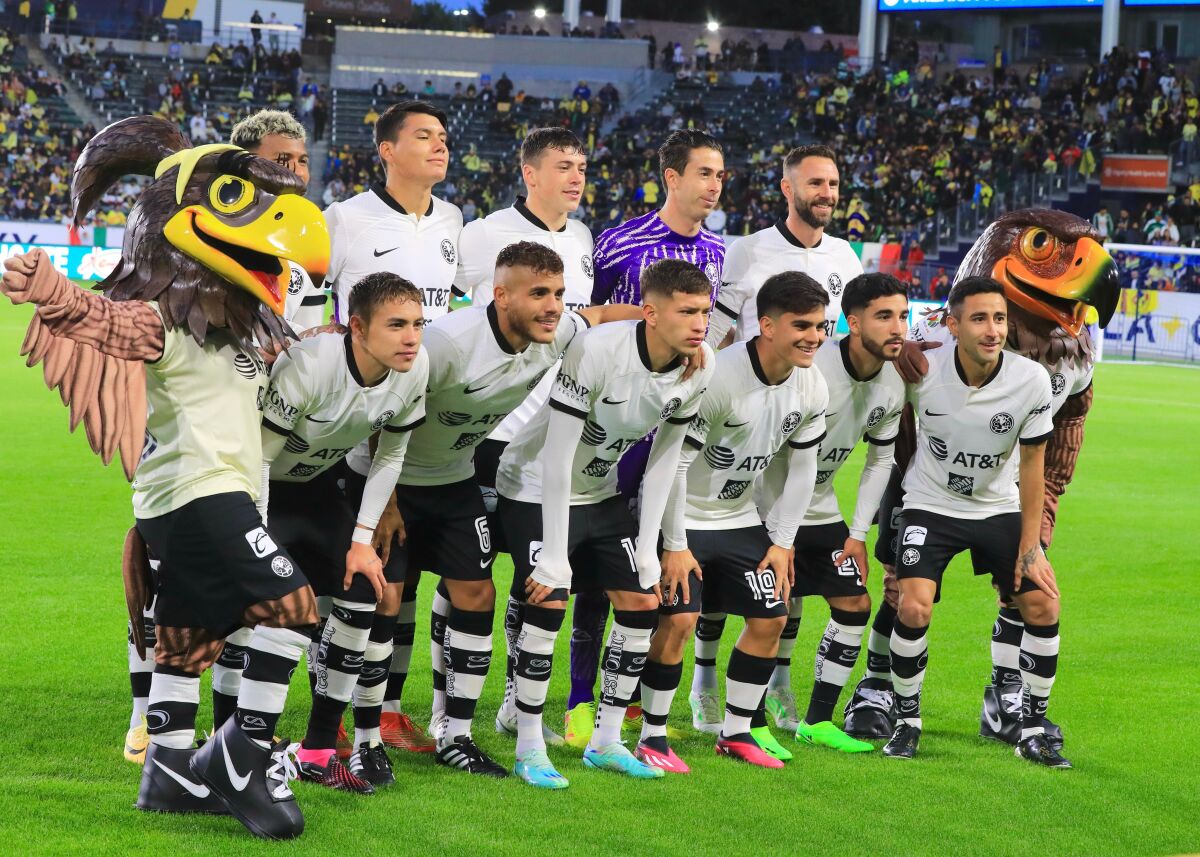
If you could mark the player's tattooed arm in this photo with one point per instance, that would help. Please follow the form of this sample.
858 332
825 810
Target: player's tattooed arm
1032 563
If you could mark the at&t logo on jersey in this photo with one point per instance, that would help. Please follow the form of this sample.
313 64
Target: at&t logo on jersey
938 447
593 435
248 367
448 252
452 418
1001 423
382 420
719 457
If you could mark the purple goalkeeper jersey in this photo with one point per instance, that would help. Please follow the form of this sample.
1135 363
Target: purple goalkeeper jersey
623 252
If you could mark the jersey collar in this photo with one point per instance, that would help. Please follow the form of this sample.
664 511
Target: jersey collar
494 324
848 364
523 210
962 375
781 225
756 364
644 352
352 365
380 190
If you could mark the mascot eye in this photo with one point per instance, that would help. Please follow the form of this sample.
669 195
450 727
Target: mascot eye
1038 245
230 194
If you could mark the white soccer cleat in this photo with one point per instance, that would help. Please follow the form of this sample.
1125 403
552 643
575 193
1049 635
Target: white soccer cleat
706 712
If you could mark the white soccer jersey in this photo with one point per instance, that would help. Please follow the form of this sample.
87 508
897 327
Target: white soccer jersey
859 409
757 257
318 401
475 380
371 232
743 422
482 241
1067 377
966 435
304 305
606 380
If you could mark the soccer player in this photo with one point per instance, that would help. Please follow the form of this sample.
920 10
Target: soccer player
275 136
692 166
616 384
553 166
866 398
401 227
328 393
483 362
764 404
810 184
975 407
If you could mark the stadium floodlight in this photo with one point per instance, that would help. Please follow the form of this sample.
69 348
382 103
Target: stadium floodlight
539 13
713 26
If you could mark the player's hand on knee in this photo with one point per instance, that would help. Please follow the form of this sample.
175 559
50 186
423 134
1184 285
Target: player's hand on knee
891 586
779 560
857 551
912 363
362 559
1033 565
677 568
547 576
390 526
536 593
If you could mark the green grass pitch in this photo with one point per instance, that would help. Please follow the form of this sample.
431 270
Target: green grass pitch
1126 694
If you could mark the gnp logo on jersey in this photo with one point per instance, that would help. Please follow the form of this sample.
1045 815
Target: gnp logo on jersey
448 251
670 408
1002 423
960 484
938 447
875 416
586 263
719 457
734 489
1058 383
301 470
281 566
382 420
911 556
835 285
296 282
276 405
914 535
593 435
598 467
260 542
452 418
790 422
572 389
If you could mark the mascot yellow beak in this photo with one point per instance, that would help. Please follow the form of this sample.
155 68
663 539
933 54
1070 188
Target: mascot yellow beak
252 253
1089 279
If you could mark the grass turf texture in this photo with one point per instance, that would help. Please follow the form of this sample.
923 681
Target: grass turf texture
1126 693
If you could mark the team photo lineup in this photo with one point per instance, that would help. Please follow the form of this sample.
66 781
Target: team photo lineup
334 420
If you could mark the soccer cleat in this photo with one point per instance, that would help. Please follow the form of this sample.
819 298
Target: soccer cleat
617 758
825 734
534 767
781 705
1037 749
745 749
1000 718
398 730
463 754
137 739
870 711
770 746
656 757
904 741
345 747
251 780
168 784
330 773
706 712
506 724
372 764
633 716
579 723
436 729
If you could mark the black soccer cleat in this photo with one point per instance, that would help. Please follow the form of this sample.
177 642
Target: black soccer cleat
463 754
372 764
168 784
1038 749
251 781
1000 719
870 711
904 741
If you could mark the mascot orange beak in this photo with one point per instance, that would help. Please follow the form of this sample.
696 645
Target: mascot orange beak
1090 279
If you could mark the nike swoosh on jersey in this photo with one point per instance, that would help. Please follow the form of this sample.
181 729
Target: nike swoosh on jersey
238 780
736 425
315 420
930 413
195 789
468 389
379 253
609 401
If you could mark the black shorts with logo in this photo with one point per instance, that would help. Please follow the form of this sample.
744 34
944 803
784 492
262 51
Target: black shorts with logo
928 541
732 582
487 461
447 532
601 541
816 546
216 559
890 505
315 521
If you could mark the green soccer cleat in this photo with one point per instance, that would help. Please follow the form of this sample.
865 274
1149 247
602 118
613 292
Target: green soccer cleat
579 722
780 703
762 734
825 734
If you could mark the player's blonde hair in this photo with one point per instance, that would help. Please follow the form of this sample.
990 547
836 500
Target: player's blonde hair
249 133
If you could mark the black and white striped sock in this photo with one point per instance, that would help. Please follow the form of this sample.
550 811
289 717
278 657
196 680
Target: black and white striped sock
171 708
621 666
745 683
340 656
836 656
227 675
709 628
372 681
512 630
909 655
535 660
141 670
439 614
879 643
1007 633
402 649
659 683
782 675
1039 664
468 655
271 659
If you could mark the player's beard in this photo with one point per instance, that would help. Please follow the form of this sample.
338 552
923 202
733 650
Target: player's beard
803 209
875 347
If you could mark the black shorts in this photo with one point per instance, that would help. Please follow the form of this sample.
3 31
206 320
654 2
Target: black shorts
816 574
889 513
601 541
352 484
216 560
315 520
487 460
446 530
928 541
732 582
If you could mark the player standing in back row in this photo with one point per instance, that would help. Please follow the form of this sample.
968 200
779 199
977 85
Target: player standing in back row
693 170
